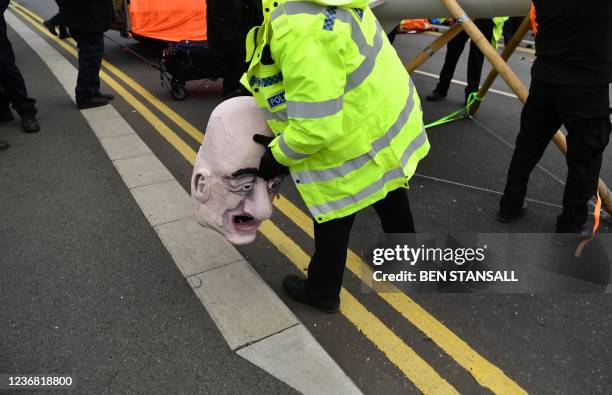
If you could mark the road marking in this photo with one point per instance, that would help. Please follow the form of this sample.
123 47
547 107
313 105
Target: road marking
485 373
351 312
404 357
163 108
246 313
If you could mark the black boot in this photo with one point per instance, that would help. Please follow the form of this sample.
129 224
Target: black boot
96 101
505 215
106 96
435 96
4 145
29 124
298 289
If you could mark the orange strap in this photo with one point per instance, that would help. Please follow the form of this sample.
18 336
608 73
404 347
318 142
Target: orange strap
596 216
532 18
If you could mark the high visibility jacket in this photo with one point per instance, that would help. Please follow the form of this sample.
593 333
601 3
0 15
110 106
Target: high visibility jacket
347 118
498 25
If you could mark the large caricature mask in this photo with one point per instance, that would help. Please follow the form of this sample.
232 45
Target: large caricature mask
226 192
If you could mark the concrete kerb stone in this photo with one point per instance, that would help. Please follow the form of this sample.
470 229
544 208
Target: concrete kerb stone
110 127
196 249
126 146
299 360
250 316
163 202
142 170
244 308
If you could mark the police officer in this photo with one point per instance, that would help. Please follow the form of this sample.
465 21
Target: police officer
87 21
12 87
569 85
348 125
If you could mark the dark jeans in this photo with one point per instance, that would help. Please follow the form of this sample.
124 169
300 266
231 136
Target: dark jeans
326 267
91 51
454 48
584 110
12 86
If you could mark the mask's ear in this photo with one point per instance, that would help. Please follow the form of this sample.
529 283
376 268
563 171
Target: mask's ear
200 185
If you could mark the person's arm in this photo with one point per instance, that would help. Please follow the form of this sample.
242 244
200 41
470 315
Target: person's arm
314 77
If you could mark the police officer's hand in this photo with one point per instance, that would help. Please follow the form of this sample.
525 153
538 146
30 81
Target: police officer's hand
268 166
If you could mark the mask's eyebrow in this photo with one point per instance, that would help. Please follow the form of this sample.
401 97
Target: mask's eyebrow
245 171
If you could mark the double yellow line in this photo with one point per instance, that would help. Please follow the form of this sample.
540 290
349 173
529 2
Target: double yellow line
396 350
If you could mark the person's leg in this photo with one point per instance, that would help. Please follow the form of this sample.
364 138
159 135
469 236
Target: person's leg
511 25
394 212
234 68
454 48
91 51
476 58
326 268
539 123
5 109
588 134
11 79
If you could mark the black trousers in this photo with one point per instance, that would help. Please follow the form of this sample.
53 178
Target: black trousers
510 27
327 264
454 48
12 87
584 110
235 66
91 51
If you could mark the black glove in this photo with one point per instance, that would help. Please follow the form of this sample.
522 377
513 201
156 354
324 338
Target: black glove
268 166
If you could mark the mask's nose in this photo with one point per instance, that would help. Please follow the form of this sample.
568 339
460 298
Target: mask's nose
258 203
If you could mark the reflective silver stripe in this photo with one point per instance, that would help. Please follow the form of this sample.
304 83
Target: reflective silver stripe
312 110
280 115
368 52
365 68
339 204
413 147
288 151
297 7
379 144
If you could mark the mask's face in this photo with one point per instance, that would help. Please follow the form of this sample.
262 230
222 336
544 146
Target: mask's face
226 192
237 203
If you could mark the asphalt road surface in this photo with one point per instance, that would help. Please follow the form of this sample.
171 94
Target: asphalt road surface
476 342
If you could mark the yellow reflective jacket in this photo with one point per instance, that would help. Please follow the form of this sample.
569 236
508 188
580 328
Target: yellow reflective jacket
347 118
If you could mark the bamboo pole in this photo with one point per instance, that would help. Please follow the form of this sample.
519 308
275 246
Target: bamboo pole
509 49
432 48
513 81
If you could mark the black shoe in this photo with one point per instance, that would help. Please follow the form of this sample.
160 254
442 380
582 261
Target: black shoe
4 145
51 27
505 217
29 124
63 33
6 115
106 96
435 96
297 288
96 101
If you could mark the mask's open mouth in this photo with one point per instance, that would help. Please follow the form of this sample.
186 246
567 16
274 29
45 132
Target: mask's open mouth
245 223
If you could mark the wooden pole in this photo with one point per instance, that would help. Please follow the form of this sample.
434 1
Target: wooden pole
432 48
509 49
513 81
